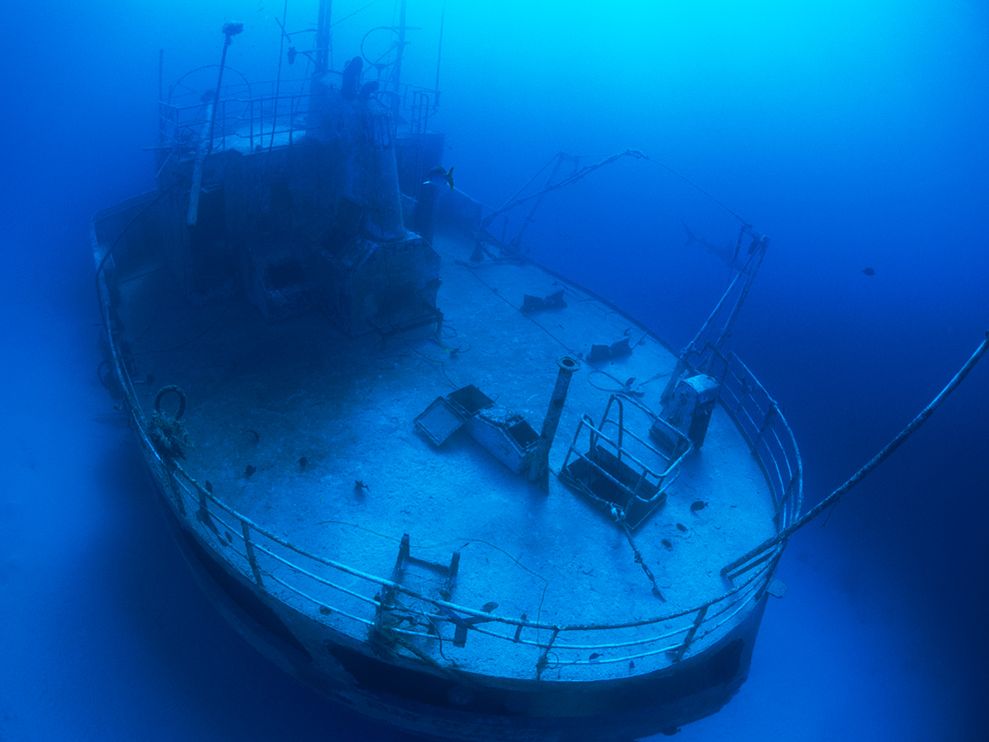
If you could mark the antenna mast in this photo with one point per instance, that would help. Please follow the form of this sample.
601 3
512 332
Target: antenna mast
324 41
439 51
397 74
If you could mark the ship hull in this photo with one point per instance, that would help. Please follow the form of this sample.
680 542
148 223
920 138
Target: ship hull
442 706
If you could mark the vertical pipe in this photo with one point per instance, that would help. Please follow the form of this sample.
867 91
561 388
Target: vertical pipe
192 214
539 465
567 366
216 95
278 78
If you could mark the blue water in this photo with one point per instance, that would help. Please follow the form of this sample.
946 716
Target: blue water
853 133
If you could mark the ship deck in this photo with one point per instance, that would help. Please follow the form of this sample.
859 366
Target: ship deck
286 417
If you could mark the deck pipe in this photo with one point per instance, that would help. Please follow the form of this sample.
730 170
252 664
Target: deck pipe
539 465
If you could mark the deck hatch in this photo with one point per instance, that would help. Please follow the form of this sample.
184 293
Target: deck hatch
447 414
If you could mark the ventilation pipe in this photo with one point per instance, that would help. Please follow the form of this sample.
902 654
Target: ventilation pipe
539 466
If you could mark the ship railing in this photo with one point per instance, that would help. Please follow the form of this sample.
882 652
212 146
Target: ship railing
761 421
766 430
333 593
245 124
330 592
336 593
247 119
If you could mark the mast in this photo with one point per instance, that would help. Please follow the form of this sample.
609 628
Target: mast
397 72
324 41
439 52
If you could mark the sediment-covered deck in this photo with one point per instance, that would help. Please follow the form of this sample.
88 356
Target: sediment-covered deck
305 470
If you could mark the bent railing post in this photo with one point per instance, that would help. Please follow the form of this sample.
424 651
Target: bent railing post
767 421
682 649
251 556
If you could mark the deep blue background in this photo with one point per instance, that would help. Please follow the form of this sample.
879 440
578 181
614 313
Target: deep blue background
852 133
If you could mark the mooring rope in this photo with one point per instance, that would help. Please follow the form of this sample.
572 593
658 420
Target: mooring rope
869 466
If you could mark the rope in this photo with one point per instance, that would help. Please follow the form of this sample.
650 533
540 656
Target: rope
569 180
640 560
869 466
351 15
698 188
517 199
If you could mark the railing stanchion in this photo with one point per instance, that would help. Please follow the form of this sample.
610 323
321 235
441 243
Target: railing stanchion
179 503
682 649
767 421
784 500
251 556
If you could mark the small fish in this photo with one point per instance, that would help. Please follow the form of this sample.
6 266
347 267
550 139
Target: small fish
667 543
361 486
681 527
249 471
869 271
697 505
303 462
489 606
208 486
440 173
594 656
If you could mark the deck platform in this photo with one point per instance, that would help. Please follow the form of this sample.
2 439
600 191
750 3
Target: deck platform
309 434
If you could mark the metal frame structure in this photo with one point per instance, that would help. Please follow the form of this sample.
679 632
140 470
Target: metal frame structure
617 449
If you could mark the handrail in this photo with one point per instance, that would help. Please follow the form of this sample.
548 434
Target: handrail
258 118
253 120
596 433
862 472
